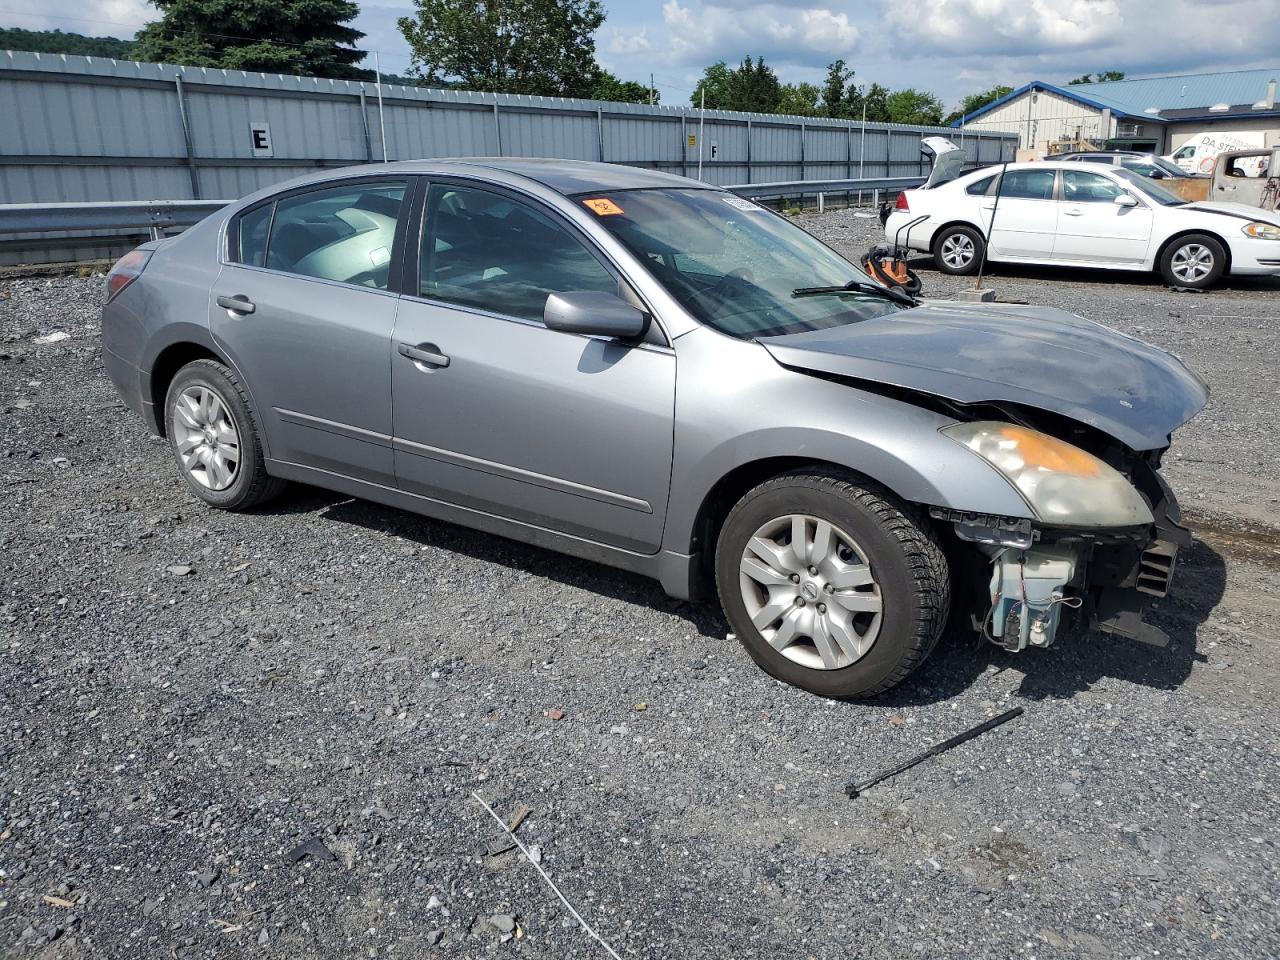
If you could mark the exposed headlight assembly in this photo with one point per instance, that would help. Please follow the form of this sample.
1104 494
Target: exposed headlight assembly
1261 231
1064 485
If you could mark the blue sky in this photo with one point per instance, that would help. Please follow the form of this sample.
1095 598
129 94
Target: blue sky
952 47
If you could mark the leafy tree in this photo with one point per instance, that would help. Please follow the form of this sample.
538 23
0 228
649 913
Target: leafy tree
799 100
1102 77
838 91
541 47
914 106
976 101
308 37
55 41
609 87
717 86
876 100
751 86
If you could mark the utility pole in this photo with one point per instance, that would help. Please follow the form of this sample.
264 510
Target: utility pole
651 89
702 121
382 125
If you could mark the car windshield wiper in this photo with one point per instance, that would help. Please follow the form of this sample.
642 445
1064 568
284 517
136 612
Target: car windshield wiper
858 286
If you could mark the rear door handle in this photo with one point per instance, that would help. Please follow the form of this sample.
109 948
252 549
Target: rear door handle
1073 212
427 353
237 304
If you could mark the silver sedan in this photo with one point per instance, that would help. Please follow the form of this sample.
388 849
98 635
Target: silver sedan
661 376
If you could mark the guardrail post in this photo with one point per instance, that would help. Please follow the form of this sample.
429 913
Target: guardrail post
186 139
821 202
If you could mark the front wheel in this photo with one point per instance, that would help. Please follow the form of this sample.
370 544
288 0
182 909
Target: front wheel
1195 261
958 250
831 584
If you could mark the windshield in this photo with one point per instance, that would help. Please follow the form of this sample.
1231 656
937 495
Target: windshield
735 265
1150 188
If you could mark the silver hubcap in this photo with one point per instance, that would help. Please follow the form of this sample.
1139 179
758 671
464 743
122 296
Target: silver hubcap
206 438
957 250
809 590
1192 262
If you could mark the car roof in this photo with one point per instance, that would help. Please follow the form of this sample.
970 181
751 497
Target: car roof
567 177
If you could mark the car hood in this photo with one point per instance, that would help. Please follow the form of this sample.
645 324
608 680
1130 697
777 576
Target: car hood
1241 210
1038 357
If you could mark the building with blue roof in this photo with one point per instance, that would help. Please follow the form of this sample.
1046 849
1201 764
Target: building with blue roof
1156 114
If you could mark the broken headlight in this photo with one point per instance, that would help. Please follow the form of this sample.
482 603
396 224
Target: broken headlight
1063 484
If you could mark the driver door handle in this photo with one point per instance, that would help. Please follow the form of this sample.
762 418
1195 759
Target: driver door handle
1073 212
237 304
427 353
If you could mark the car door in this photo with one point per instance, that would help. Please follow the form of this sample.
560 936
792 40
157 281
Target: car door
494 411
1025 215
1093 228
305 311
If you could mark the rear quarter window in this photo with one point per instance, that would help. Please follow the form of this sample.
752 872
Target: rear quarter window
252 235
980 187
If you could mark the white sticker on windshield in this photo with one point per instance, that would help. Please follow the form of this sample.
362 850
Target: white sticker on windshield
379 256
742 204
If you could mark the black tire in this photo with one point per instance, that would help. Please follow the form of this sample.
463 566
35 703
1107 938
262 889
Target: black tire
958 234
1184 245
905 558
250 485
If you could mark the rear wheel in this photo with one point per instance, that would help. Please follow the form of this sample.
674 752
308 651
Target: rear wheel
958 250
214 438
1196 261
831 584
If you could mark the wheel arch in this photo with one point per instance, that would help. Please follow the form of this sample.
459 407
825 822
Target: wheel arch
165 367
939 231
1194 231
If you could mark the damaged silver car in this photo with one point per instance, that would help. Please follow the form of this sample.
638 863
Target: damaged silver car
658 375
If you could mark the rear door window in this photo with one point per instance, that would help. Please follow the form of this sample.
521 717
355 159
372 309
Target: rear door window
980 187
344 233
1028 185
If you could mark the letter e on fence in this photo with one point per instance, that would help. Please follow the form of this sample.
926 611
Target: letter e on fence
260 138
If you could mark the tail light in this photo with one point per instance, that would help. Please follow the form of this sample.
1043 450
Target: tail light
901 203
127 269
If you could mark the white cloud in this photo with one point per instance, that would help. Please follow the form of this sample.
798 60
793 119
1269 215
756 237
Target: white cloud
115 18
702 33
1003 26
628 42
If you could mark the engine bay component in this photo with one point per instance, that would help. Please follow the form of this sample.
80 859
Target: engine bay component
1028 591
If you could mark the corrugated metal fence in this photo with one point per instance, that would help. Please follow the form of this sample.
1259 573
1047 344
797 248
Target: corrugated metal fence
81 128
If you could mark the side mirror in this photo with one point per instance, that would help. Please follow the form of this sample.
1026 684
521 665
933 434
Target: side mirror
594 313
1125 200
1156 174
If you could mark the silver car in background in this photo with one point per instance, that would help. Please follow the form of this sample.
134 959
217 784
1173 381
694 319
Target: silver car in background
661 376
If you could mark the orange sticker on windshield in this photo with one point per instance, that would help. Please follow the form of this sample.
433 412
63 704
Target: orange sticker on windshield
602 207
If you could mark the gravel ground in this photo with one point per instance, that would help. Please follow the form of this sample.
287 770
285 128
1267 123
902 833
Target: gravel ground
189 696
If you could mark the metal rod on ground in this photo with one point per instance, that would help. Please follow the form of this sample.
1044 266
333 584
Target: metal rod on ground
854 790
382 125
986 241
551 883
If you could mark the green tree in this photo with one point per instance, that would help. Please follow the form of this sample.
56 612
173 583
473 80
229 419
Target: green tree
1102 77
914 106
976 101
55 41
799 100
716 85
876 100
307 37
540 47
751 86
609 87
838 91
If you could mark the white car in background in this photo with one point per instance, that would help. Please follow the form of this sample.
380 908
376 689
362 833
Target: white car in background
1062 214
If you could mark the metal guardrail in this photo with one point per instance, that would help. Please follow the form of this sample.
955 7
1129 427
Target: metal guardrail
799 188
155 216
158 216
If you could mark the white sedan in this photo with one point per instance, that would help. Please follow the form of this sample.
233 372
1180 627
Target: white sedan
1062 215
